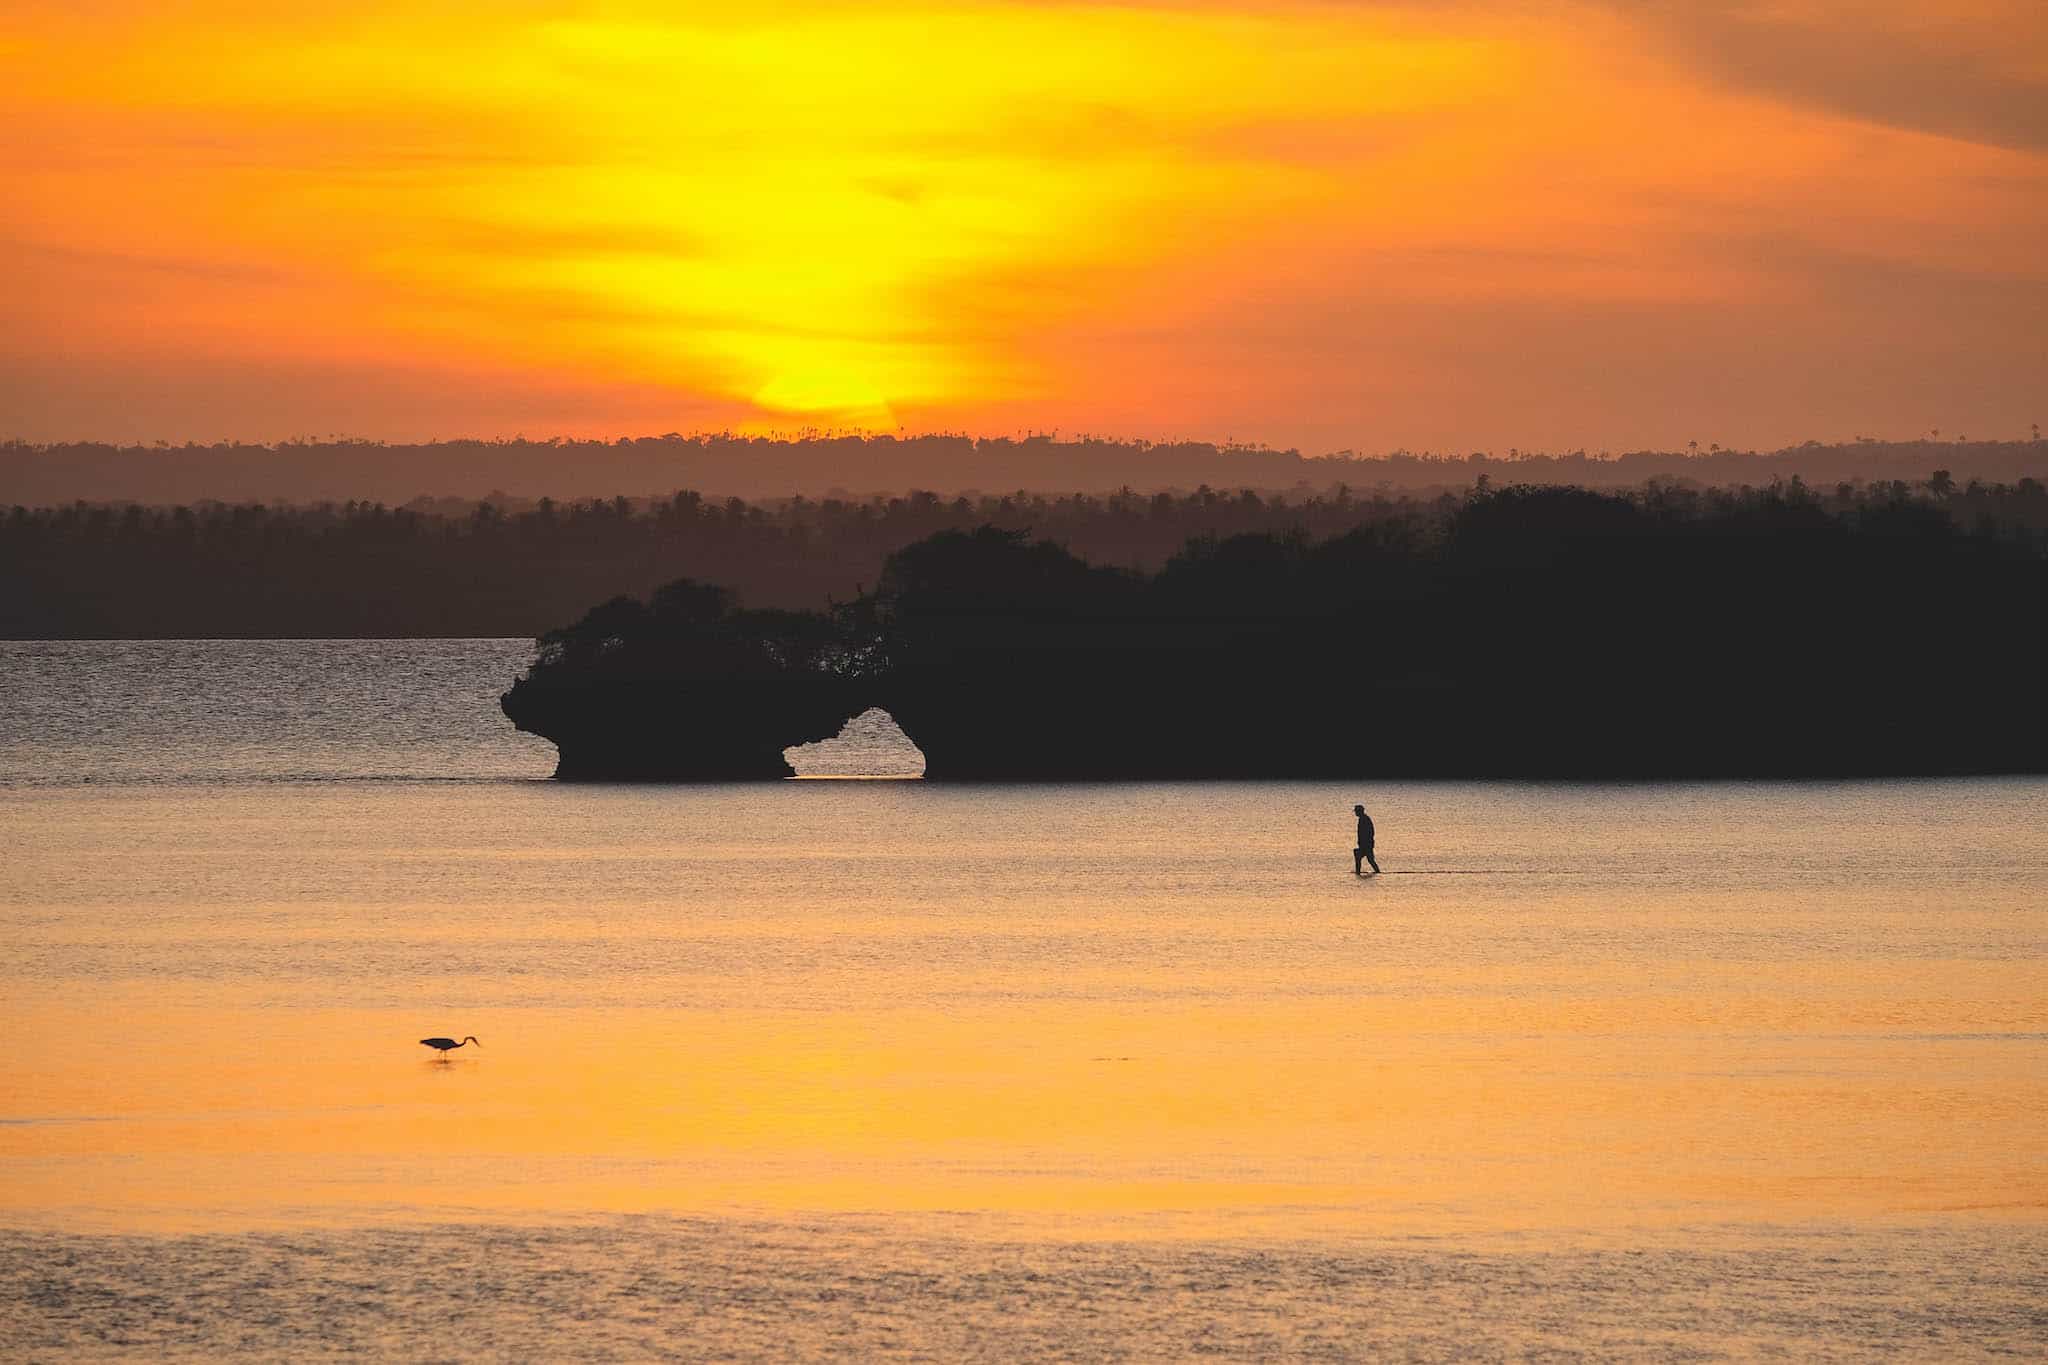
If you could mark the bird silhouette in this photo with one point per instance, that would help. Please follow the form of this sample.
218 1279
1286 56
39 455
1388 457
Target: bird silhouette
447 1045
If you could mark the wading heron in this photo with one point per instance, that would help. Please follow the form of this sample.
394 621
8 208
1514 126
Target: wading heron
444 1046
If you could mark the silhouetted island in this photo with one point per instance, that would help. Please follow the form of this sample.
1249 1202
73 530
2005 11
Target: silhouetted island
688 686
1523 632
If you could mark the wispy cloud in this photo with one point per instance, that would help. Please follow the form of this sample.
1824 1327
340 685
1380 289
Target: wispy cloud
1971 69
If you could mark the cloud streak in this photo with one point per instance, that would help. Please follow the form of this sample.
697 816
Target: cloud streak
1969 71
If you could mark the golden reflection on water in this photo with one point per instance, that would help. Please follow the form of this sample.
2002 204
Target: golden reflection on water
1098 1008
1375 1114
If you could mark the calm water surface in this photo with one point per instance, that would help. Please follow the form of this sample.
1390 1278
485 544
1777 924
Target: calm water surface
889 1067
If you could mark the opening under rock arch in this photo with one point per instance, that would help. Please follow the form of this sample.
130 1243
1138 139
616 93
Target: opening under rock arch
869 745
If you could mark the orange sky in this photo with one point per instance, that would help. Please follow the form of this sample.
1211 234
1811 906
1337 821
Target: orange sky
1334 225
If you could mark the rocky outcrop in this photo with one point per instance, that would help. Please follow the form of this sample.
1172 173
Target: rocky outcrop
611 729
1027 729
688 687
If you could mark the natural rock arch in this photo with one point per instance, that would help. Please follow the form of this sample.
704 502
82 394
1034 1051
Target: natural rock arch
870 744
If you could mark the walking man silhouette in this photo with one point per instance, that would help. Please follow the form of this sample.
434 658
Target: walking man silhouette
1363 853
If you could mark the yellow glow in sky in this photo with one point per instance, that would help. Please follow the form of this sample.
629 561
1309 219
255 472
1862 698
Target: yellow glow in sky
1334 226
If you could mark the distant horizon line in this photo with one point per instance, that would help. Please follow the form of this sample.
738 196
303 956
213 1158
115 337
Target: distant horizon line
1689 450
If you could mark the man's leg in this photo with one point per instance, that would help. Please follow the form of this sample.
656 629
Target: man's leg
1357 860
1374 861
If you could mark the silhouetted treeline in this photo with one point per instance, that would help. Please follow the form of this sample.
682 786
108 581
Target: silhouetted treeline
366 570
855 466
1526 631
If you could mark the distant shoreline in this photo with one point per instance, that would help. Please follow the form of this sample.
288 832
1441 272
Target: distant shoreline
364 570
453 476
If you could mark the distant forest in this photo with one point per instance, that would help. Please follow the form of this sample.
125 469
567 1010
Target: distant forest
361 569
728 465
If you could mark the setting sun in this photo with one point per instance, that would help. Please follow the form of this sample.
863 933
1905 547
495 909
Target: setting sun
1454 225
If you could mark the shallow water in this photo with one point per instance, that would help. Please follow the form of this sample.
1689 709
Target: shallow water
865 1288
896 1066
